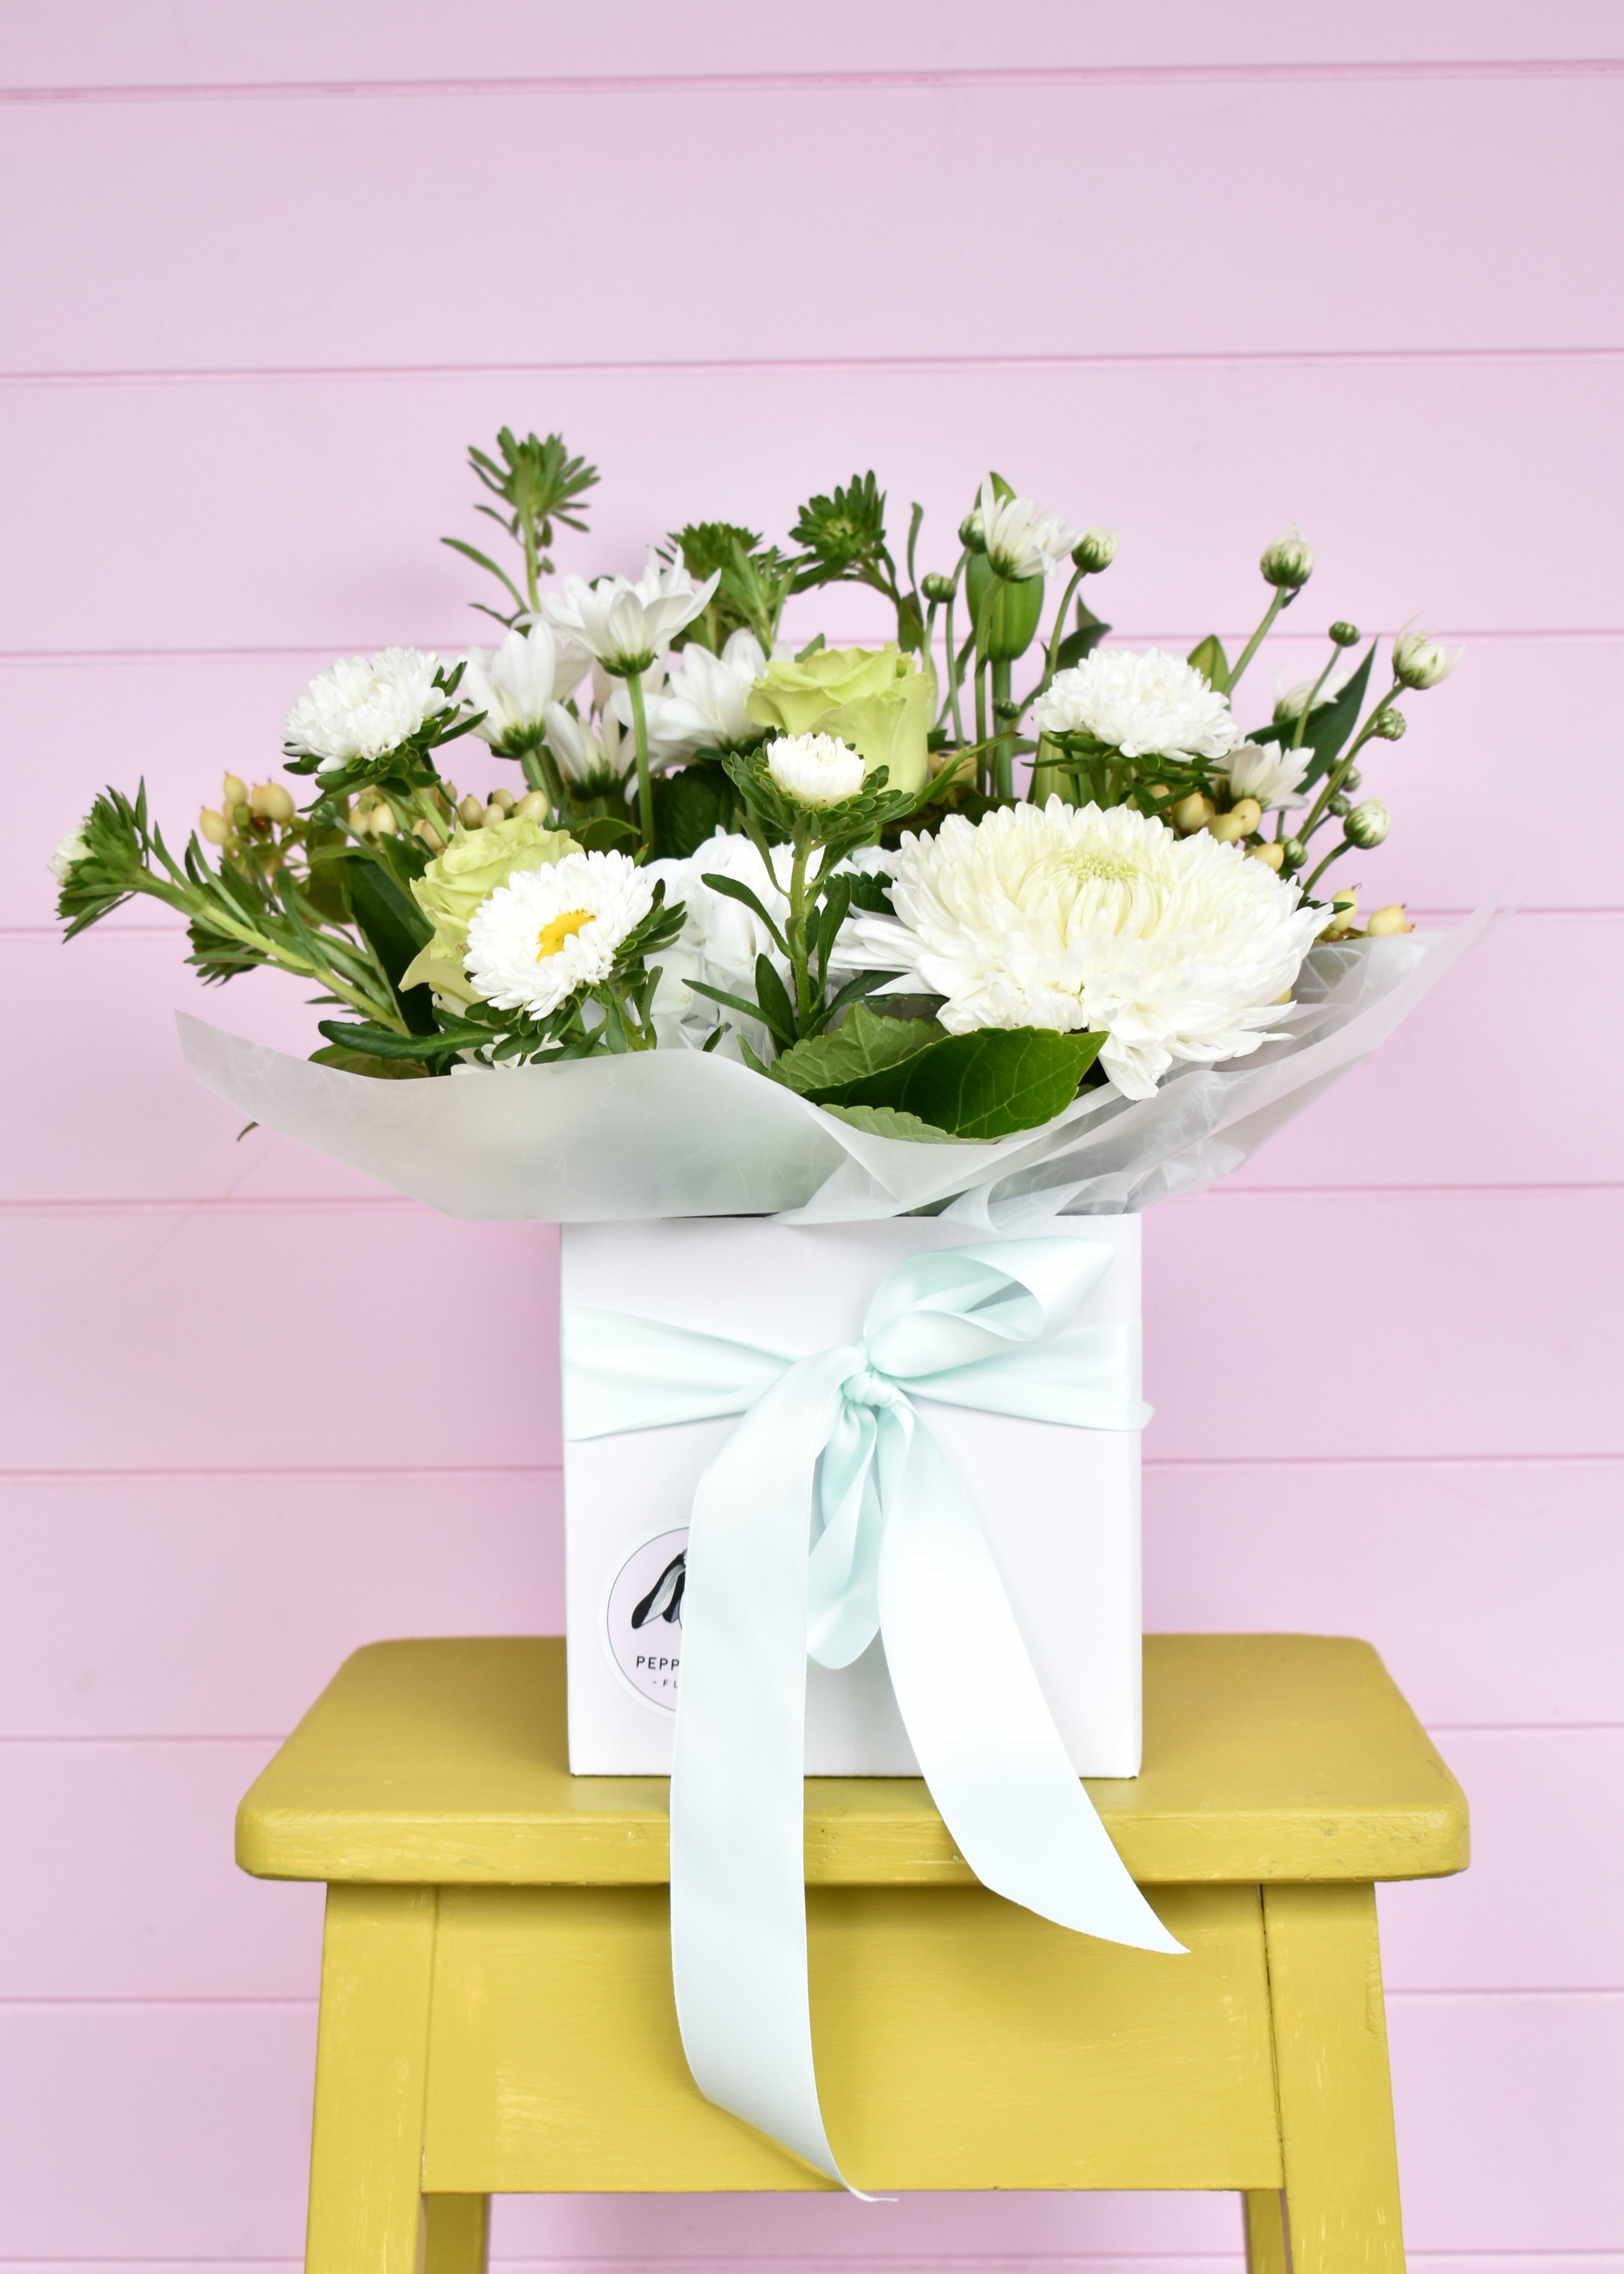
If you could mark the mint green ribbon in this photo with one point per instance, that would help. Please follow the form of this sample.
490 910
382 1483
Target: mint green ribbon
896 1549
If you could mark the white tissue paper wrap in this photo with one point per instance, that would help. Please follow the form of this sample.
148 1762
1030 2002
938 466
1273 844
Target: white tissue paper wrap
672 1133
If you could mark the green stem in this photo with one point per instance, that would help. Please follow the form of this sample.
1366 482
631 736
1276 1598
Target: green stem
645 786
1003 753
1302 724
1336 853
527 528
1055 638
1281 599
799 962
1338 773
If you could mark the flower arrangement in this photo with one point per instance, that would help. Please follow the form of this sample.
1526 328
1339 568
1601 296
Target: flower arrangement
929 906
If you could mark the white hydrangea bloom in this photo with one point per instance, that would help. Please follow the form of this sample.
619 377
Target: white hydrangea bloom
1022 540
815 769
1070 918
1272 776
721 938
701 705
626 625
365 705
1142 702
70 848
548 932
513 684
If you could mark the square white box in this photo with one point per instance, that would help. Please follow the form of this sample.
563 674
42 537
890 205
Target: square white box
1060 1506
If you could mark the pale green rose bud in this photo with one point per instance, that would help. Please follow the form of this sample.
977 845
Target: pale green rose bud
872 700
458 880
1095 550
1420 662
1289 562
1345 635
1367 825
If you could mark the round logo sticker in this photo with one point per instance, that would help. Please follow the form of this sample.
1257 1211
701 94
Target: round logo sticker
643 1618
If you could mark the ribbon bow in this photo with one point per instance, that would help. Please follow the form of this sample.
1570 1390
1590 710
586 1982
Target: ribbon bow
898 1551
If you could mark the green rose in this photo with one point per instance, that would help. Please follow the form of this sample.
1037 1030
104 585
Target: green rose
872 699
454 883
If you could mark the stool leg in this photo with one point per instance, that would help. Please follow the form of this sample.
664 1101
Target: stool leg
1264 2210
372 2069
456 2234
1331 2068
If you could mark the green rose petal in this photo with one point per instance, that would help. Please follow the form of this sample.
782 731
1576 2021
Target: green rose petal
872 699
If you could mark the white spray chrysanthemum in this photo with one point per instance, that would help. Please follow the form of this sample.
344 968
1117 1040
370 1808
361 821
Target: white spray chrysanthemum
1272 775
548 932
70 850
513 684
1070 918
1022 540
365 705
703 704
815 770
1142 702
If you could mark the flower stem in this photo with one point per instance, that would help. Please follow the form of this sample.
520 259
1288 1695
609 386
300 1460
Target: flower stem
1274 608
1003 753
1055 638
1336 853
795 930
1338 774
645 786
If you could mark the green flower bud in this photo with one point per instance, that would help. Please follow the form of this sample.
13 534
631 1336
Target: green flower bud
1420 662
1003 709
1339 805
1095 550
1391 726
1352 779
972 536
1296 852
1367 825
937 588
1289 562
1345 635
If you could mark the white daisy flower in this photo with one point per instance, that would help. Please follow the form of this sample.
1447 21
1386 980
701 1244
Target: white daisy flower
548 932
1144 703
513 684
1272 775
590 757
1070 918
1022 540
626 625
701 705
815 770
365 705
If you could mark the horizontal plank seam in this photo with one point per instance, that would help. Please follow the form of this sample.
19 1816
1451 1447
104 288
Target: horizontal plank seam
154 1738
1403 71
1603 1993
914 365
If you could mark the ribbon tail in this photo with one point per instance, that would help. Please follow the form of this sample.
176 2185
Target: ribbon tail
738 1836
979 1723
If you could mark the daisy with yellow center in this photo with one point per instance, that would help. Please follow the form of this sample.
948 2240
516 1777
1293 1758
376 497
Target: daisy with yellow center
549 932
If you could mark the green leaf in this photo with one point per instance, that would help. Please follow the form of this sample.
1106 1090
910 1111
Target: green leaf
731 889
393 929
885 1121
690 805
776 1007
871 891
603 835
989 1084
378 1041
1090 631
865 1044
334 1054
1329 726
1210 661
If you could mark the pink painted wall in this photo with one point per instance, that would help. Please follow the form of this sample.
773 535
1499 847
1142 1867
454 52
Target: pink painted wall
1197 271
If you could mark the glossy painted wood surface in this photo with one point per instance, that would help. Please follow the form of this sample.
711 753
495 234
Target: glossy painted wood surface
1267 1756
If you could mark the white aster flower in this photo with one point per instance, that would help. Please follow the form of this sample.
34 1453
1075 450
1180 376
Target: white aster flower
1071 918
721 938
548 932
365 705
701 705
1022 540
513 684
1144 703
590 758
1272 775
71 848
815 770
626 625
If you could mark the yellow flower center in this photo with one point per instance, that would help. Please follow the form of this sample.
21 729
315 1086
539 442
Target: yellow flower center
1103 868
552 936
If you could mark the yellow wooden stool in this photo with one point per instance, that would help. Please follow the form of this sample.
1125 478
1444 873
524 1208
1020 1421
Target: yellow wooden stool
496 2005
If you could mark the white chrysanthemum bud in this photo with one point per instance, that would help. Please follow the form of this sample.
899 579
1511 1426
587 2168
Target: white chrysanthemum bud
70 848
1192 813
972 536
815 770
270 802
1385 922
470 812
937 588
233 793
213 827
1390 726
1095 550
1344 634
1271 775
1289 562
1367 825
1420 662
1289 707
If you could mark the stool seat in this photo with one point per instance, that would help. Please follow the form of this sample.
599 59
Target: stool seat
497 2015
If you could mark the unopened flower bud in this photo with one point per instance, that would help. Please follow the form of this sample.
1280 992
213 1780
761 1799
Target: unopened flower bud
937 588
1420 662
1192 812
492 814
213 826
1296 852
504 798
1344 907
1289 562
1339 805
430 835
532 806
1005 709
1290 706
233 793
1158 790
1385 922
1273 856
1352 779
270 802
972 536
470 812
1345 635
1248 813
1095 549
1367 825
1390 727
382 821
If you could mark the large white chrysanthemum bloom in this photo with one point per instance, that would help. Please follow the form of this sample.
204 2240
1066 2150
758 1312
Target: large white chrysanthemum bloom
721 938
1022 540
701 705
513 684
365 705
1272 775
1070 918
548 932
626 625
1142 702
815 770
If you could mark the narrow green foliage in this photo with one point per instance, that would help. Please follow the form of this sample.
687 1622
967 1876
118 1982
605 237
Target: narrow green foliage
538 484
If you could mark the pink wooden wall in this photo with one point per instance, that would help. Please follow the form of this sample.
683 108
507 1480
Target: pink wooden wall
1195 271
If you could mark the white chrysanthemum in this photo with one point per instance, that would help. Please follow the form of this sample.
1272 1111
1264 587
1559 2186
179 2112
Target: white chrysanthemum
513 684
589 757
1022 540
71 848
721 938
547 932
1066 917
815 769
1272 775
701 705
626 625
365 705
1144 703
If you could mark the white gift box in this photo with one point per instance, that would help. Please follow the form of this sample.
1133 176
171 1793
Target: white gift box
1059 1506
